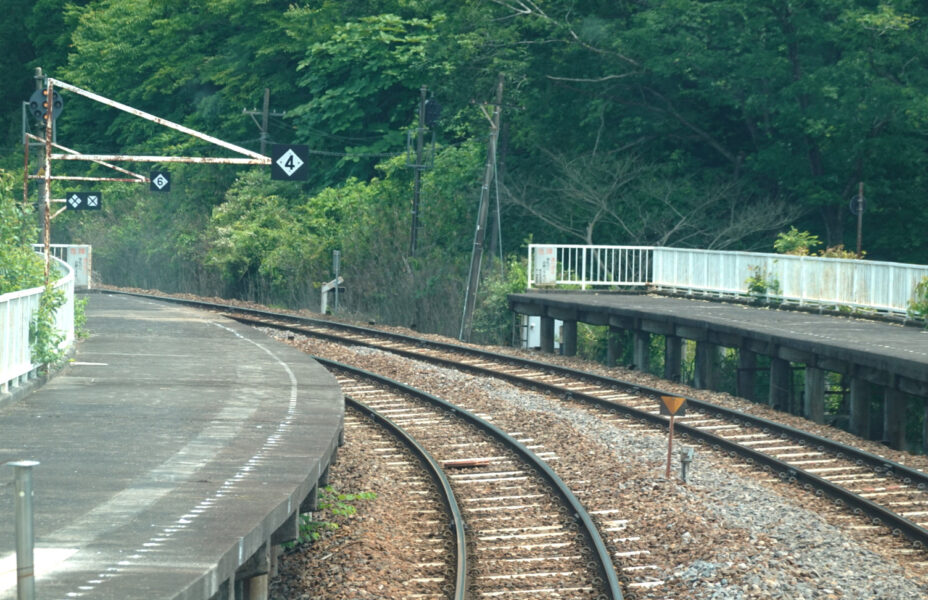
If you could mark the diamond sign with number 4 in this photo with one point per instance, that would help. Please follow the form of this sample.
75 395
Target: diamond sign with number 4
288 163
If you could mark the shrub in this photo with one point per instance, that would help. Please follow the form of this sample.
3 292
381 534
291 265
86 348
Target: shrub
760 283
839 252
795 242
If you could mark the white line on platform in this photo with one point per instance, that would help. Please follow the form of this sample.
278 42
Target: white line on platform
44 559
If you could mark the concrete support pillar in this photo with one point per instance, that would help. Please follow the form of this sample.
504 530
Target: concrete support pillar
894 418
860 407
642 350
253 575
814 396
275 560
569 338
311 502
673 357
613 346
706 366
781 384
547 334
925 429
747 363
257 587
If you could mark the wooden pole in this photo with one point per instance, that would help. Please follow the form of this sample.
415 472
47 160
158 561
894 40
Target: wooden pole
473 278
860 217
417 168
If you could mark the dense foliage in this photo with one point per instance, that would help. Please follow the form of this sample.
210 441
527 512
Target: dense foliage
702 123
21 269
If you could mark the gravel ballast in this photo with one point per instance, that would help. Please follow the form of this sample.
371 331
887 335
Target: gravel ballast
727 534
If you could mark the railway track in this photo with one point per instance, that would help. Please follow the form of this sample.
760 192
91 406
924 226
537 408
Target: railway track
526 533
889 494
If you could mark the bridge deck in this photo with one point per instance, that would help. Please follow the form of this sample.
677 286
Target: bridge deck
171 450
879 346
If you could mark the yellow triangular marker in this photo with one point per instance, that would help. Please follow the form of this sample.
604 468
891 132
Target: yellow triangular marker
673 403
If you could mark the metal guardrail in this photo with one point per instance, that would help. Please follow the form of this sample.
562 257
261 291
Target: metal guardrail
874 285
17 310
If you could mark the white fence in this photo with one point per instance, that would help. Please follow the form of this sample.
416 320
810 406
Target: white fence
881 286
17 310
588 266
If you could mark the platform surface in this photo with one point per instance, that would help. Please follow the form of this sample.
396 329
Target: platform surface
881 345
170 449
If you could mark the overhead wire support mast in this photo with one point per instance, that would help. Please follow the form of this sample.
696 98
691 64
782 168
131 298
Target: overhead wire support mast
259 159
252 158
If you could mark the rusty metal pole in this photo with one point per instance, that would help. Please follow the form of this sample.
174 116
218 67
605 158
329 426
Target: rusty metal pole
669 448
49 118
25 534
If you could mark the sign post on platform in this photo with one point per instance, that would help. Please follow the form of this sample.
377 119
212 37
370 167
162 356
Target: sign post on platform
672 406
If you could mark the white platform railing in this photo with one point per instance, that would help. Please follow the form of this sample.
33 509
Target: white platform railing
17 310
588 266
874 285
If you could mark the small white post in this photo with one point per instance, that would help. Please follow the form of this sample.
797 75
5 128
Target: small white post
25 535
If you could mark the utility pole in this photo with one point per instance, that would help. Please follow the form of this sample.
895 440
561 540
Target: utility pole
417 185
265 113
860 217
42 204
473 277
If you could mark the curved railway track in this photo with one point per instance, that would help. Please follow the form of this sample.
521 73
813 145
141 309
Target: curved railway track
888 493
526 533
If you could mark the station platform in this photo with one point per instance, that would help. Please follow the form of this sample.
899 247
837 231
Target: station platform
900 349
882 361
175 450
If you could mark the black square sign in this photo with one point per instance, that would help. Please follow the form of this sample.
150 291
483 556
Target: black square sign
159 181
288 163
83 200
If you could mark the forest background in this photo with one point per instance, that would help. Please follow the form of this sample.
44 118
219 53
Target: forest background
689 123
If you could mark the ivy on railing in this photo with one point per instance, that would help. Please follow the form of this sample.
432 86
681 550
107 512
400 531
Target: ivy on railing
44 337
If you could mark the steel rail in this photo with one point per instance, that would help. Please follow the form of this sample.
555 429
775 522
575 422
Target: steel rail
605 564
438 476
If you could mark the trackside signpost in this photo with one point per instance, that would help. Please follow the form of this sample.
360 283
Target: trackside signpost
159 181
83 200
288 163
672 406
